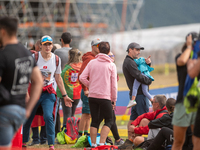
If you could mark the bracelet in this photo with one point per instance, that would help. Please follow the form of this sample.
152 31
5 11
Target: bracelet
64 95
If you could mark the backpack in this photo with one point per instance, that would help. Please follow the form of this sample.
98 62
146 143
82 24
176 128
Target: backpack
56 62
72 127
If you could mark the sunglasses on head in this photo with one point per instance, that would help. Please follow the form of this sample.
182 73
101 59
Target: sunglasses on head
47 39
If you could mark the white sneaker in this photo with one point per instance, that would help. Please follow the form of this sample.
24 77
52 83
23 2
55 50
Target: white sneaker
131 103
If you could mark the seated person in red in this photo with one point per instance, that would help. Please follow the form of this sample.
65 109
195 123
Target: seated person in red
140 125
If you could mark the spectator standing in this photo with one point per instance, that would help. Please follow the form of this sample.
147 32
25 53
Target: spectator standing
63 53
145 70
131 73
102 87
193 67
47 64
16 68
181 120
85 117
38 119
70 79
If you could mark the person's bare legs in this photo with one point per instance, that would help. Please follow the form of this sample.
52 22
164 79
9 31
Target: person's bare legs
138 140
179 137
104 133
196 142
93 134
144 122
129 132
87 120
84 122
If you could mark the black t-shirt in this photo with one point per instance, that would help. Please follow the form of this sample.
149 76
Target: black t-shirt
181 74
16 64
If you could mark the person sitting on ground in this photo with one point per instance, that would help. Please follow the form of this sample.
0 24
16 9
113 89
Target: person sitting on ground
145 70
140 125
157 124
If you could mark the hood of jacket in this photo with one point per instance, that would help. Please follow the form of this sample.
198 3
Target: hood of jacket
103 58
76 66
88 55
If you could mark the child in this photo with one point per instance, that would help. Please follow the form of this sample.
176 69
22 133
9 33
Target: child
145 69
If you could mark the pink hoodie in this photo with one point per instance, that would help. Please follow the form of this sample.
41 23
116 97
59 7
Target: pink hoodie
103 78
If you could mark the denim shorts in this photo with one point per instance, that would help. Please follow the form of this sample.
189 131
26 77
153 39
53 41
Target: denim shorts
11 118
85 105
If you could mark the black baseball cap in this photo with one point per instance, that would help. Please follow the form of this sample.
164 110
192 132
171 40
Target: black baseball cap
134 45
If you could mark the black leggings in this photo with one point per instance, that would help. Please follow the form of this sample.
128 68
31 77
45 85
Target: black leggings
113 128
164 134
101 107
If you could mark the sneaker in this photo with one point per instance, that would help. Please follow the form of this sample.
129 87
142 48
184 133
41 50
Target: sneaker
120 142
127 145
51 147
43 143
131 103
109 140
24 145
33 143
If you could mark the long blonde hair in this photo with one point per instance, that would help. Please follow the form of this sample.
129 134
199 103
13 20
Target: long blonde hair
74 56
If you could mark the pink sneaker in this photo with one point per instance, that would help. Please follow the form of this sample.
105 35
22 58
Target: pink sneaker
51 147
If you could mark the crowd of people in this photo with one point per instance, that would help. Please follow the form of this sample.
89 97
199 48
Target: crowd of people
33 84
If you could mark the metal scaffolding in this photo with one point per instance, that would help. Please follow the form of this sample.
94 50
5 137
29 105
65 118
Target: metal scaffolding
79 17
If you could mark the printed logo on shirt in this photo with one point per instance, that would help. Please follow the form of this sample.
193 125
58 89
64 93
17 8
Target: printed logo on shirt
71 78
44 67
46 77
23 70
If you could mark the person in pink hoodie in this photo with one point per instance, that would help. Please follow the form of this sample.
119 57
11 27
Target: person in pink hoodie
102 91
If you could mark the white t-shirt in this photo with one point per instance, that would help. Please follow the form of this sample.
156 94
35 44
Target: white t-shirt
48 68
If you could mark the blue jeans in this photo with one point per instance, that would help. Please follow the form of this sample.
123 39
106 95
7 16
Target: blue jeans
47 102
39 138
141 107
11 118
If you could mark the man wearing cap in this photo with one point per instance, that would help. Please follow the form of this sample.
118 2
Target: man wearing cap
131 73
46 62
85 118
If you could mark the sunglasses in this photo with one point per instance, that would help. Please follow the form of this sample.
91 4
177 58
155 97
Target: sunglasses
111 55
153 102
97 45
47 39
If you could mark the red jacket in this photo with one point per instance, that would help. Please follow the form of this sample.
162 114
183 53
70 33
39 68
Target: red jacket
86 59
149 116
